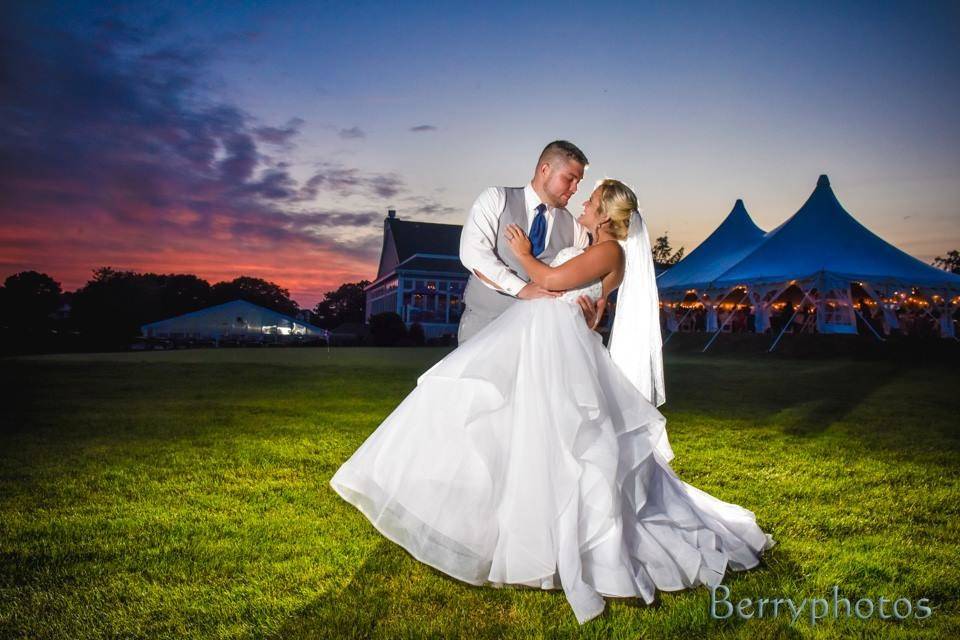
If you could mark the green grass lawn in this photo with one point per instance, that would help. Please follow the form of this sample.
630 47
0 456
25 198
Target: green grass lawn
184 495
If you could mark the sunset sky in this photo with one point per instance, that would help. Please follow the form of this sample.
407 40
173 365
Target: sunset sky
270 140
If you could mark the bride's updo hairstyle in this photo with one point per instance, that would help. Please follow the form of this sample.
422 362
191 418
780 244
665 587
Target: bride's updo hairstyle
617 201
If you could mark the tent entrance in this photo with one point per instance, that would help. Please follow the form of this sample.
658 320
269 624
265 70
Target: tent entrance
835 312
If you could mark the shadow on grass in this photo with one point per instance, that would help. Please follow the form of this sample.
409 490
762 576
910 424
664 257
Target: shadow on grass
811 416
883 405
378 597
377 602
355 610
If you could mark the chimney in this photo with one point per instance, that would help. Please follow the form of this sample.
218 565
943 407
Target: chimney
391 213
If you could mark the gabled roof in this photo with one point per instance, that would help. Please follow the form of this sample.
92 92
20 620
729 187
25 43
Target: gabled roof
404 238
424 237
823 237
730 242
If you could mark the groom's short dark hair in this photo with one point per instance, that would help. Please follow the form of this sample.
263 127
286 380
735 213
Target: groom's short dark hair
562 149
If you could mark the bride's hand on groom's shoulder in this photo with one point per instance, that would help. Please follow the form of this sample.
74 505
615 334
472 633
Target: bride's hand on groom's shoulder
519 242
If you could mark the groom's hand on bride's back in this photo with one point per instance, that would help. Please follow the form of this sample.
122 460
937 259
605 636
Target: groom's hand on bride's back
533 290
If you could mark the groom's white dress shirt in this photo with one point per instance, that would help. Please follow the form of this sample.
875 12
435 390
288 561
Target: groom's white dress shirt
479 237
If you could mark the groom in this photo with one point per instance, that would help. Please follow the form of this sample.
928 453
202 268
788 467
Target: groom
497 280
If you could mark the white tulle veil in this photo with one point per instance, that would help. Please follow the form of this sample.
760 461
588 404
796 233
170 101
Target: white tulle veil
635 341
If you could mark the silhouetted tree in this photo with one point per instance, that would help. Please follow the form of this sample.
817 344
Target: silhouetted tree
663 253
27 299
950 263
256 290
346 304
110 309
183 293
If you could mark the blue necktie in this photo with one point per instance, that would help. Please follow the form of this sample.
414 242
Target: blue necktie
538 231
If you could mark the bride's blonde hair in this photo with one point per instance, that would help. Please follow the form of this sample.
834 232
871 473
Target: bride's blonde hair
617 201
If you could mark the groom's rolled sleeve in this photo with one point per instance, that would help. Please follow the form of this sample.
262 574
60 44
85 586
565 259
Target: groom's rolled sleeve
479 237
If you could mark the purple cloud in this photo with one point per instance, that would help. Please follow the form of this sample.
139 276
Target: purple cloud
111 146
280 136
347 182
352 133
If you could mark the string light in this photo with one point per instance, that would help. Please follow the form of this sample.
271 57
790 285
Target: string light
911 301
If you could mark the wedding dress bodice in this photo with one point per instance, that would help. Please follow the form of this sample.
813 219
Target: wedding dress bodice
593 289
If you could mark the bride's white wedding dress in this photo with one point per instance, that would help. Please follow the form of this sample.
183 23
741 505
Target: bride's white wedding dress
525 457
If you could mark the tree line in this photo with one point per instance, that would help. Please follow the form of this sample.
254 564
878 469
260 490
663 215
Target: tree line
108 311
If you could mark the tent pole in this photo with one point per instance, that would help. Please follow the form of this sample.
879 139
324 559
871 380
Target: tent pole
789 322
725 321
876 298
774 297
946 309
689 311
869 326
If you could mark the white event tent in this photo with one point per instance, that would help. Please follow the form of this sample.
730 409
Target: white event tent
234 319
823 251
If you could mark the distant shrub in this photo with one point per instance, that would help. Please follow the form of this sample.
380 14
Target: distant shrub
416 334
387 329
446 340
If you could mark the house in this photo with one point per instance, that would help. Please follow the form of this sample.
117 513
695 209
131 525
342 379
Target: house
420 276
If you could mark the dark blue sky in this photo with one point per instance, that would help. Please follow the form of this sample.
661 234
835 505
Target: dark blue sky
223 139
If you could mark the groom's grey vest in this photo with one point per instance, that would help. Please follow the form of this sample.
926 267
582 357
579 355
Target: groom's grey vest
483 304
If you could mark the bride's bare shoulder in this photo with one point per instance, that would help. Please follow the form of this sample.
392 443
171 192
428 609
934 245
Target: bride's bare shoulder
608 249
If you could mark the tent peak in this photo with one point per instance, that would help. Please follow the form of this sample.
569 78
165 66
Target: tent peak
740 214
823 239
736 236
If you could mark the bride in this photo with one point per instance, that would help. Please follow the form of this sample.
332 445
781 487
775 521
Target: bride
531 455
